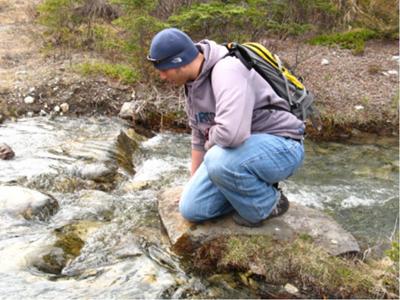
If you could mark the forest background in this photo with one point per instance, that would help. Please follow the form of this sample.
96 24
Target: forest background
111 40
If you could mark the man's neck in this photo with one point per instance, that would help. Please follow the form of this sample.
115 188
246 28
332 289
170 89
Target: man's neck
197 66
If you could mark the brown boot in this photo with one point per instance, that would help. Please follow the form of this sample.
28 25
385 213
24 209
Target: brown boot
281 207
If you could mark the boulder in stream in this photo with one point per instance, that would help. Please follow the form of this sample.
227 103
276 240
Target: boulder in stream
298 221
304 249
30 204
98 172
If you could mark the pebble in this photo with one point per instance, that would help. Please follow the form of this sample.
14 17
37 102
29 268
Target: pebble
29 114
390 72
31 90
43 113
291 289
64 107
29 100
324 62
127 110
56 108
359 107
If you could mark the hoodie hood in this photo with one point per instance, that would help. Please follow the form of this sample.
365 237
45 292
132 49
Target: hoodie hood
212 52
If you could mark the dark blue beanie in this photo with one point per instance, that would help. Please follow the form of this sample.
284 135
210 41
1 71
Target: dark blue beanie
172 48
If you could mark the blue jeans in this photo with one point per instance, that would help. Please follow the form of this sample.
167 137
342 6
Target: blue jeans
241 178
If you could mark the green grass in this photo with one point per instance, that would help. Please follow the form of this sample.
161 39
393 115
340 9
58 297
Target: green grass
122 73
353 39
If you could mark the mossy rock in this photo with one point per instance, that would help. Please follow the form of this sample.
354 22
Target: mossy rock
69 241
304 250
301 221
126 145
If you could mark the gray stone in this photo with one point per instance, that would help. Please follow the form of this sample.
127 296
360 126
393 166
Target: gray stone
127 110
29 100
98 172
64 107
299 220
30 204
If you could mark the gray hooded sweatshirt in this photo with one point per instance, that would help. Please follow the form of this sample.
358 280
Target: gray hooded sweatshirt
224 103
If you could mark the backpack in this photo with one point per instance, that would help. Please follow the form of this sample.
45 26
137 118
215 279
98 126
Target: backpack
284 83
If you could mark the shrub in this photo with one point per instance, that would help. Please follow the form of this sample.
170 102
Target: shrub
61 22
71 22
139 28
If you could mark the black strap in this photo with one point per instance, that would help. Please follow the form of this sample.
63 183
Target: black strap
274 107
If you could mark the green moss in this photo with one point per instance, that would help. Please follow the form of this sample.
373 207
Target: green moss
238 248
354 39
70 243
394 252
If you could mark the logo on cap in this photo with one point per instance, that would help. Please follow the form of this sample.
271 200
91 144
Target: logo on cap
176 60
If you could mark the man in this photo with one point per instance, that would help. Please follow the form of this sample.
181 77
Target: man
239 150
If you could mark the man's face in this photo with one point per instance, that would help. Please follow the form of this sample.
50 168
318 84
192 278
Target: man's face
176 76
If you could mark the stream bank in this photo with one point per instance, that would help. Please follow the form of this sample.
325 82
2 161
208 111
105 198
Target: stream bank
354 93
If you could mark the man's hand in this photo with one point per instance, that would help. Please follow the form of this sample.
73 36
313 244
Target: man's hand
6 152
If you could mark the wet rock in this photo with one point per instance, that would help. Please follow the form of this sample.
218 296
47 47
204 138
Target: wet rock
69 241
127 143
186 237
6 152
99 203
136 186
98 172
30 204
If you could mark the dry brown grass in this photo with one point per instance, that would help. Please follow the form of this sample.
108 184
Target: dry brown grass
304 265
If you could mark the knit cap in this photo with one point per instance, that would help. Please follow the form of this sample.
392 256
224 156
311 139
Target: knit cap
172 48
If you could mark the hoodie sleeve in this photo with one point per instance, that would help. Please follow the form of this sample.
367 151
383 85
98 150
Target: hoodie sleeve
197 140
234 104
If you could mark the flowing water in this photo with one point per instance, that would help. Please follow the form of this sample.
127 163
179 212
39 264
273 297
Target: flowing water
125 252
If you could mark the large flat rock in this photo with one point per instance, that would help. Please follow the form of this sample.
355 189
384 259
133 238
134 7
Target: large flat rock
298 220
30 204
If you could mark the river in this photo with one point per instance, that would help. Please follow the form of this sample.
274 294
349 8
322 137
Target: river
126 254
